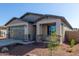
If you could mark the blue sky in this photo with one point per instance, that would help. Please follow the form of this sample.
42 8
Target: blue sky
69 11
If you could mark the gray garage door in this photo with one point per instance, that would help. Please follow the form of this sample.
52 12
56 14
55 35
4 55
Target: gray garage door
17 32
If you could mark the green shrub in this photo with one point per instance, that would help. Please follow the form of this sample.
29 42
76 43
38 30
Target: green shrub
72 42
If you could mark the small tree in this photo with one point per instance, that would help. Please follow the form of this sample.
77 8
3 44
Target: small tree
53 43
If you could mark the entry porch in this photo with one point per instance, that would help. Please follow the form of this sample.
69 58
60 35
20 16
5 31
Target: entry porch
44 30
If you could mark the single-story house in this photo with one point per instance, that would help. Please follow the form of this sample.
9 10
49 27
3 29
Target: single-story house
37 27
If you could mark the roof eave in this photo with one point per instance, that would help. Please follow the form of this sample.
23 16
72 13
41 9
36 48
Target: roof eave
11 20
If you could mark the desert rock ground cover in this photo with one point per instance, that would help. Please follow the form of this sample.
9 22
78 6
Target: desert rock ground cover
40 50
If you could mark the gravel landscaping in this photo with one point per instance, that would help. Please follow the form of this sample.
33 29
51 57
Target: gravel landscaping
40 50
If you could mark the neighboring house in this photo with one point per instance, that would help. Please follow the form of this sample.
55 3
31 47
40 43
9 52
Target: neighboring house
37 27
3 32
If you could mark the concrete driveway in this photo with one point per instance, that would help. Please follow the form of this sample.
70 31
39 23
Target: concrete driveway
7 42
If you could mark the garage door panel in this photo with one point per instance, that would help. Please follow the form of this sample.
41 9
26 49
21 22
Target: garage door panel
17 32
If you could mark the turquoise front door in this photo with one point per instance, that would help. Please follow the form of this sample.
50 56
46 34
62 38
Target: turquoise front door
51 29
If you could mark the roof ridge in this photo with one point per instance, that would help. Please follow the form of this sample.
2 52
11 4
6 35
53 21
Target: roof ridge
31 13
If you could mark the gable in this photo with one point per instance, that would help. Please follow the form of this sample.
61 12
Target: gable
16 21
48 20
31 17
54 19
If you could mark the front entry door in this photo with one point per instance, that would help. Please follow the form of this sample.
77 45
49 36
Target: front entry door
51 29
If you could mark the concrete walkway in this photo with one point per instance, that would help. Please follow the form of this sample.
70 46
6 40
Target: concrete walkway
7 42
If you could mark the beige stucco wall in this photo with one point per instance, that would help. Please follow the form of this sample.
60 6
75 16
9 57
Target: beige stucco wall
44 30
64 28
29 30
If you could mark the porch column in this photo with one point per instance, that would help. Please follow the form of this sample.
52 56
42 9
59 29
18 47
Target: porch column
8 32
58 30
26 32
38 32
